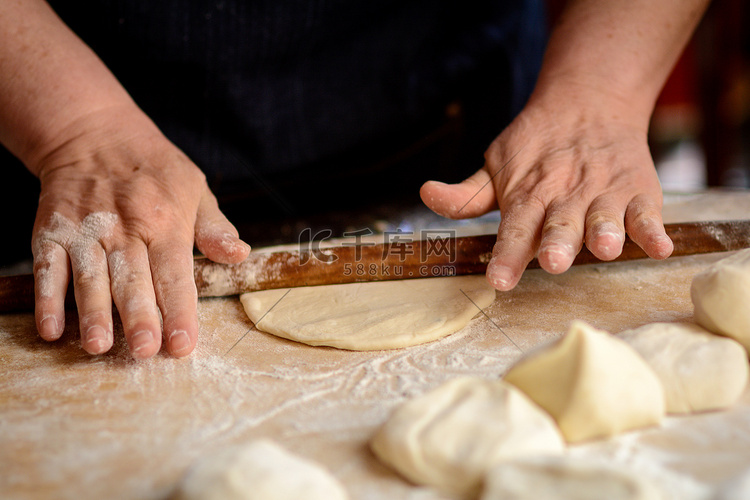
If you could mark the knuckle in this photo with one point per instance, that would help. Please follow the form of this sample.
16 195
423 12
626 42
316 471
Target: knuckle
45 281
643 220
175 283
139 307
600 218
560 226
562 221
91 280
43 264
96 317
125 269
514 234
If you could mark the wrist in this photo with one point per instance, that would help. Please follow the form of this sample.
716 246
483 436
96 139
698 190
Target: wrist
584 100
89 134
91 131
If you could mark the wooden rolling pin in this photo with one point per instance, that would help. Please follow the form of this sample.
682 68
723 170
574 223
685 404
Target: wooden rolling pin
404 259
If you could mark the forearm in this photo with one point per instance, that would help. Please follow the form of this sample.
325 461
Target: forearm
50 81
617 53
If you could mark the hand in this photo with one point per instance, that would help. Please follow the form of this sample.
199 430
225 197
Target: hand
120 207
562 173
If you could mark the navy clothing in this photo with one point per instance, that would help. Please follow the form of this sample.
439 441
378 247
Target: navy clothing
275 86
287 104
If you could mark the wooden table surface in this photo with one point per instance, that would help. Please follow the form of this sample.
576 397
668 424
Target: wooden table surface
78 426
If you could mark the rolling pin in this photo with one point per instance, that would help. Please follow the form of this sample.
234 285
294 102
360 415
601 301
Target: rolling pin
311 265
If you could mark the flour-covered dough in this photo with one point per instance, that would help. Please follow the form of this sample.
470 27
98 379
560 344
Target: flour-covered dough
564 478
448 437
699 371
370 316
736 488
593 384
721 296
261 470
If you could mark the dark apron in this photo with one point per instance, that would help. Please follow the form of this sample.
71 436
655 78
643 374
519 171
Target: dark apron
322 101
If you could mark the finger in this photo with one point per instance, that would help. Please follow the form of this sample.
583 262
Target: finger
470 198
605 230
93 297
51 275
133 293
176 295
517 241
645 226
215 236
562 237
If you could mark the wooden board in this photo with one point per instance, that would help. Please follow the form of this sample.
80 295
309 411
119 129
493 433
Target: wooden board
77 426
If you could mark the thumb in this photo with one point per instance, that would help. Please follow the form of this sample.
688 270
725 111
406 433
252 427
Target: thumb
472 197
215 236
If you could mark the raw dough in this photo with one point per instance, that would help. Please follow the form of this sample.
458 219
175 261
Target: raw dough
721 295
260 470
450 436
593 384
563 478
736 488
370 316
699 371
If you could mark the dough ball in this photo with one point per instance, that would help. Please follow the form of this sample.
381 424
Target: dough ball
448 437
259 471
721 295
370 316
593 384
698 371
736 488
562 478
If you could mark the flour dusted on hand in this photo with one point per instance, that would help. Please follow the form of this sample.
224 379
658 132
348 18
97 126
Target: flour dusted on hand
370 316
82 241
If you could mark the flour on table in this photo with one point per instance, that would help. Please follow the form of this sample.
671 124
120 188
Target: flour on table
448 437
370 316
261 470
699 371
592 383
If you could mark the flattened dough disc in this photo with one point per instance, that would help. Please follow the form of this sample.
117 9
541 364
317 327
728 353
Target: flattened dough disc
373 315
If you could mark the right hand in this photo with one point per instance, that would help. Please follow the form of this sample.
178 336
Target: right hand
563 173
121 207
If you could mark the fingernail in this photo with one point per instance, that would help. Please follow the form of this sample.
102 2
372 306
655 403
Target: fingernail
608 229
179 341
141 340
667 246
48 328
563 254
609 249
232 244
500 276
612 234
97 340
245 245
663 238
